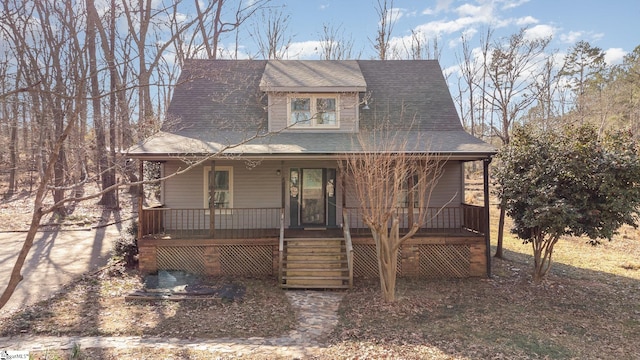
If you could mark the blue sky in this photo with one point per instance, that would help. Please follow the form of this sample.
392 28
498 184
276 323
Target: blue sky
612 25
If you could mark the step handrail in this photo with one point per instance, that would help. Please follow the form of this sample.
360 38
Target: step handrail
348 245
281 247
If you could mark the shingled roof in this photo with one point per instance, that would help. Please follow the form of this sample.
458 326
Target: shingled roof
221 102
312 76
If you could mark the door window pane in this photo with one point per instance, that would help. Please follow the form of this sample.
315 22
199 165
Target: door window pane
312 197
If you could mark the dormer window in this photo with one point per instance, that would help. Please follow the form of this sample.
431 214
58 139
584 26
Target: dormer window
306 110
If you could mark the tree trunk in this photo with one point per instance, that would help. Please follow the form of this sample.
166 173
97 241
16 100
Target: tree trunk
13 152
16 277
387 259
38 213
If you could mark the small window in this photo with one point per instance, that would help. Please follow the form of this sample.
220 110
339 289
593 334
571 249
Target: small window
314 111
301 111
326 111
223 184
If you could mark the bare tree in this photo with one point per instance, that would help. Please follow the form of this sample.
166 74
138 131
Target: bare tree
270 34
334 45
211 26
469 69
422 48
382 175
72 62
386 21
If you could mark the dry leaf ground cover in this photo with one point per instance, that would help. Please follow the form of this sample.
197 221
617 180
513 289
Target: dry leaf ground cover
96 306
577 313
589 308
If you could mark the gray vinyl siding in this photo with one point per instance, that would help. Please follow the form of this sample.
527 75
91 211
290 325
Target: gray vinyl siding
447 195
185 190
448 190
257 185
253 187
348 107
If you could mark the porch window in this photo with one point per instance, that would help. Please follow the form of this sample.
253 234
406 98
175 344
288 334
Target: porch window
313 111
223 184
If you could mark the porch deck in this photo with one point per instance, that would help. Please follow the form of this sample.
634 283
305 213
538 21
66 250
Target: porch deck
256 242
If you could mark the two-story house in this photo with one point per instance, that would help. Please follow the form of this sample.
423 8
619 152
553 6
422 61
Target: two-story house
273 201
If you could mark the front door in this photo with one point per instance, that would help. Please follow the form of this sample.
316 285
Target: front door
312 200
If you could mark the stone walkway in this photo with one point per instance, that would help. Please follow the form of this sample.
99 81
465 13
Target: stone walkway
316 314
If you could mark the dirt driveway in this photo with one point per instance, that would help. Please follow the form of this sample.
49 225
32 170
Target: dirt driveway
56 258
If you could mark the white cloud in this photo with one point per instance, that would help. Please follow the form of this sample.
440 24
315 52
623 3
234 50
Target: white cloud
469 33
441 5
303 50
539 32
396 14
510 4
527 20
614 55
572 37
484 11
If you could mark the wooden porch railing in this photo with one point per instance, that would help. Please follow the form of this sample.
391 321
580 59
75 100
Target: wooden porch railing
447 219
349 246
474 220
150 221
236 223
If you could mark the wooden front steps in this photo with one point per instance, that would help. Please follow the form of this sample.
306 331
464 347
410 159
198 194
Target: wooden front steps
319 263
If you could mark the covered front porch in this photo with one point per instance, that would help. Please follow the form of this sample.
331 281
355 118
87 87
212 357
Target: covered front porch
315 237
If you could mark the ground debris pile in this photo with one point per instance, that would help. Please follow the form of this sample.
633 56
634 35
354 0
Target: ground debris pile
180 285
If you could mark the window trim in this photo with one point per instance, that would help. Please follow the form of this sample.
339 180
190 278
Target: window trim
313 110
206 171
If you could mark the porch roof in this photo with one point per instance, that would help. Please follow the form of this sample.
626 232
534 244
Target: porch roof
458 144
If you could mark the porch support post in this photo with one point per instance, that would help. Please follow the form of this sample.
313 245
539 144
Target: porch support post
140 197
410 199
282 185
343 183
487 233
212 200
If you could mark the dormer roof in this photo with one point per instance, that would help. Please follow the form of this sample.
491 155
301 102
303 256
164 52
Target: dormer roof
312 76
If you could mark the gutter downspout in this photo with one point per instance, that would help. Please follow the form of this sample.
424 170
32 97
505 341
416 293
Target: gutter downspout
487 233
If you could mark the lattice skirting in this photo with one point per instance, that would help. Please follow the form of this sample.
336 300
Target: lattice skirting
246 260
254 260
365 261
444 260
186 258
